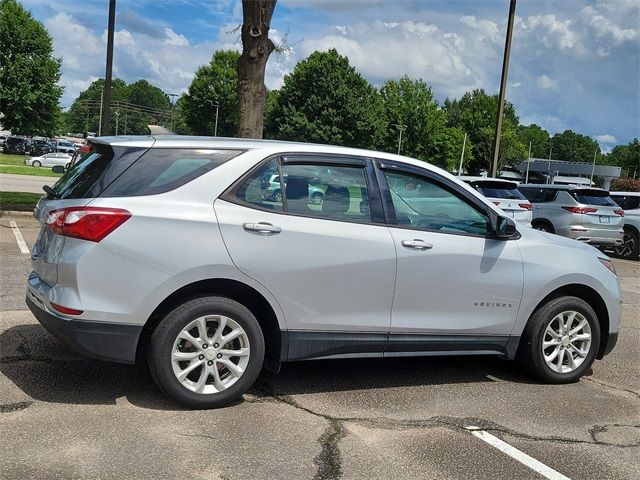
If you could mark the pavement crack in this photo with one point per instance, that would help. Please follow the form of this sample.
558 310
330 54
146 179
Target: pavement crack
613 387
14 407
328 460
26 356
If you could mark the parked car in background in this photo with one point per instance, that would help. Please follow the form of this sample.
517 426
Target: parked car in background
164 248
49 160
39 147
585 214
272 189
16 144
630 203
2 139
65 146
505 195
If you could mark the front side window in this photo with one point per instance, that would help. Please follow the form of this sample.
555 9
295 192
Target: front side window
422 204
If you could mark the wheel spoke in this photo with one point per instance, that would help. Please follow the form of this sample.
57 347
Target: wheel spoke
552 332
549 358
202 330
243 352
222 322
217 382
184 356
183 374
235 370
231 336
582 353
551 343
202 381
189 338
582 337
580 326
569 322
572 363
560 360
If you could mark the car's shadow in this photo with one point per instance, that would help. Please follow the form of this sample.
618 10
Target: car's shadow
47 371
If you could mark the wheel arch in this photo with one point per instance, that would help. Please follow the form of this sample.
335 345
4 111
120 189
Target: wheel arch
544 221
595 301
234 289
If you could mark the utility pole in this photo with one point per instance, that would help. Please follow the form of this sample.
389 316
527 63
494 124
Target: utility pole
464 144
101 103
593 167
105 114
526 178
503 86
401 128
173 103
117 118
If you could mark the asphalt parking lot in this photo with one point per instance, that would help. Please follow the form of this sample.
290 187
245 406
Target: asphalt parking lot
65 416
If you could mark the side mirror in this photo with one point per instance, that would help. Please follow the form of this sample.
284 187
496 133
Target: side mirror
503 227
58 169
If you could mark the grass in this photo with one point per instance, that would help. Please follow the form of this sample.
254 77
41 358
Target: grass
10 159
25 170
18 201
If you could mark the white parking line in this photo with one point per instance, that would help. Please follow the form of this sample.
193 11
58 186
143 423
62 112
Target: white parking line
516 454
21 243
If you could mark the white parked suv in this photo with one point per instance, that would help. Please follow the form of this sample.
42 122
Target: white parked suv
630 203
166 249
506 196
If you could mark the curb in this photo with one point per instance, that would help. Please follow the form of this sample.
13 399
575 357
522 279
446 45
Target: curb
15 213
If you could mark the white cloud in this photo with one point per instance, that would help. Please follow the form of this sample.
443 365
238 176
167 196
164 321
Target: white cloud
546 83
551 32
605 27
606 138
174 38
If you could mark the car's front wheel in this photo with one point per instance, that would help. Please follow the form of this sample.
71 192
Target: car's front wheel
36 164
560 341
207 352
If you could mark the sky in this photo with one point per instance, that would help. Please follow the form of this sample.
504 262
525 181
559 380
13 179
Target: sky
575 64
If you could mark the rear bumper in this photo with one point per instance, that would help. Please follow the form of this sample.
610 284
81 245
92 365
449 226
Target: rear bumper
594 236
113 342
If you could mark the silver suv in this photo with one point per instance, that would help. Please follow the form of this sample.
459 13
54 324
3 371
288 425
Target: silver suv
166 249
585 214
630 203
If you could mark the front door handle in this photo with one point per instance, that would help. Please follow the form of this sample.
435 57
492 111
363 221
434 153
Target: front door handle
261 228
416 244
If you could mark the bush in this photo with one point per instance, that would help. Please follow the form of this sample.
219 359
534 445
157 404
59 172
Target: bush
625 185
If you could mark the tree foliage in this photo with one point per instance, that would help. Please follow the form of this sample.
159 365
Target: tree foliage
29 74
215 83
538 137
573 147
475 113
627 157
326 100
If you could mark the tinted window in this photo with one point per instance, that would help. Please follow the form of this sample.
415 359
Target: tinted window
327 191
627 202
510 194
593 197
422 204
261 188
539 195
163 169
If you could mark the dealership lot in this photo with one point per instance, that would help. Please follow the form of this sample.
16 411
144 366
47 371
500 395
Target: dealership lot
64 416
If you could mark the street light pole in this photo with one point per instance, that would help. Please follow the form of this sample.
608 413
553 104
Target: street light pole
117 118
503 86
401 128
106 111
173 104
464 144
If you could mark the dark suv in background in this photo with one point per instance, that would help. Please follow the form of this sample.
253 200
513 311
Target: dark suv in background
16 144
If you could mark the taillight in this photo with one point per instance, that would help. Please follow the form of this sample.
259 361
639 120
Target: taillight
66 310
528 206
619 211
581 209
86 223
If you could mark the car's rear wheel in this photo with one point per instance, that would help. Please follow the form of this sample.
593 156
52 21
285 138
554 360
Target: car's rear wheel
560 341
630 248
317 198
207 352
36 164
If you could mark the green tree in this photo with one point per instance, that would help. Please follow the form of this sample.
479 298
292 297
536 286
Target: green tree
215 83
29 74
538 137
144 94
626 157
326 100
475 113
84 113
573 147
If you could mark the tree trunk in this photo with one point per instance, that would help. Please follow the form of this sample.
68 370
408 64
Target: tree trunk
256 48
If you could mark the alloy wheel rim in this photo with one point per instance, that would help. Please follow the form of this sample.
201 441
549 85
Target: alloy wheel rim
566 341
210 354
628 245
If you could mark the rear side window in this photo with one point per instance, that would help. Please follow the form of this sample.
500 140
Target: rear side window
627 202
163 169
593 197
540 195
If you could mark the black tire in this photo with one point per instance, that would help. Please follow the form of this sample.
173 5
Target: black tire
543 226
277 196
317 198
36 164
165 334
66 167
630 248
530 353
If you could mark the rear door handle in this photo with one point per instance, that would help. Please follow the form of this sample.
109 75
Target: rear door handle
416 244
261 228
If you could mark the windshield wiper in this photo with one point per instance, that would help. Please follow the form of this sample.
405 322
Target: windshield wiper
50 191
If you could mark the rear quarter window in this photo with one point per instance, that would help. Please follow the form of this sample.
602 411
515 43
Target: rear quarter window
163 169
539 195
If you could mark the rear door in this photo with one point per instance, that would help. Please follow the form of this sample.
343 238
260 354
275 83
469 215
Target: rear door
331 265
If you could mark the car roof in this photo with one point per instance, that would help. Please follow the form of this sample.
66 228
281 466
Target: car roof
495 182
626 194
552 186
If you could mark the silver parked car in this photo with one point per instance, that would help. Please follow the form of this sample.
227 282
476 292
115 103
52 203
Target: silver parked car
166 249
630 203
585 214
506 196
49 160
